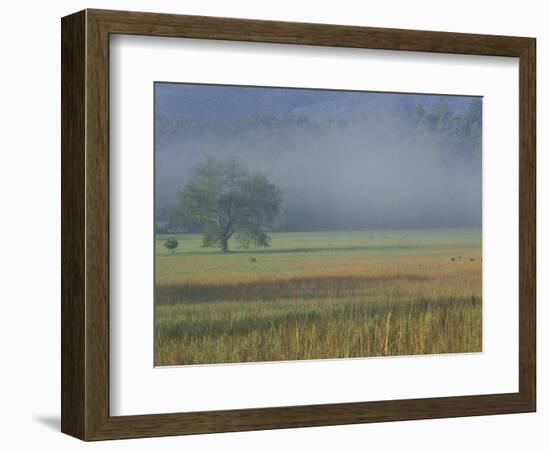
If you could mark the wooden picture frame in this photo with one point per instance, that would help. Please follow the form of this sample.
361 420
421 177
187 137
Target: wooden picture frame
85 224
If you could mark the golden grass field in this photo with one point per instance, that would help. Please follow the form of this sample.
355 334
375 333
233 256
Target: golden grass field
319 296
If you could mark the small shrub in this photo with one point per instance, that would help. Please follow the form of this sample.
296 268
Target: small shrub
171 244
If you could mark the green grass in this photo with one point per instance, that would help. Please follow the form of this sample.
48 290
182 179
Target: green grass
319 295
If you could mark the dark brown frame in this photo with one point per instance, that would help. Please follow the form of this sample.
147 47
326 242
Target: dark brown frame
85 224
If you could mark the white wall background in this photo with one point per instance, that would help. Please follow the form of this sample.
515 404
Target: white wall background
30 225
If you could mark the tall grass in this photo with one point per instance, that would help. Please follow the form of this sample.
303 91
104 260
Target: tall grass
335 305
316 329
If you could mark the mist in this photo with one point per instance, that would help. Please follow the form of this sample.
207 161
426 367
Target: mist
344 160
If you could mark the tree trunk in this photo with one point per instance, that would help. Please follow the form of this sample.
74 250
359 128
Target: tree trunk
225 246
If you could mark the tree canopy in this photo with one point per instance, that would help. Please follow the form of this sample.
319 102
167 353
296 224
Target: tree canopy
225 199
171 244
458 135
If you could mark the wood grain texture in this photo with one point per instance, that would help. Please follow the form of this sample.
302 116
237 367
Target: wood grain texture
527 224
85 224
201 27
73 227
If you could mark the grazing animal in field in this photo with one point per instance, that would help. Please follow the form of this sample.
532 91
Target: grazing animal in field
472 259
452 259
252 259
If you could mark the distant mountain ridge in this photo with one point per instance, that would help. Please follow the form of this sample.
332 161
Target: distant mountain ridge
185 112
220 103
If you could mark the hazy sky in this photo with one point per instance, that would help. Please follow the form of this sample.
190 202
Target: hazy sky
344 160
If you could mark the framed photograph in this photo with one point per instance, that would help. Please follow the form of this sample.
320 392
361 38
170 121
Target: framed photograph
273 225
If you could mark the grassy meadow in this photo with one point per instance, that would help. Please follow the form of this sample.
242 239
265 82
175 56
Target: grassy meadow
319 295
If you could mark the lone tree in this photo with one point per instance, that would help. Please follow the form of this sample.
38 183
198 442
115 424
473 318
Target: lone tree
226 199
171 244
